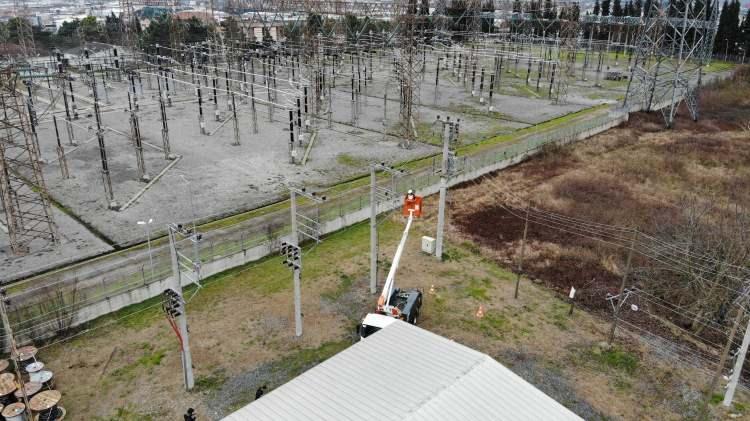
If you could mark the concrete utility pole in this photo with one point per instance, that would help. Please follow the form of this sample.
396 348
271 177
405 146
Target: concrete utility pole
740 313
737 370
446 171
373 231
174 301
378 194
310 229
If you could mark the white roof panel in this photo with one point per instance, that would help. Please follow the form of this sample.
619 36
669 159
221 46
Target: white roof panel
405 372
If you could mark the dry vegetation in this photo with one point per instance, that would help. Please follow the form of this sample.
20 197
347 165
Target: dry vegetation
692 180
687 186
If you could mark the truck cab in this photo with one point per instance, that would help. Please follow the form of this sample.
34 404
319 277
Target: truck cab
406 304
372 323
406 307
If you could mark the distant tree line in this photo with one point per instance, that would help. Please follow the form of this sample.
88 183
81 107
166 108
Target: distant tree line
733 34
732 37
71 33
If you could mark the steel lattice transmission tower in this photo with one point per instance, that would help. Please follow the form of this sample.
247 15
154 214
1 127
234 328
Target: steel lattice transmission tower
568 48
129 24
408 66
674 44
474 13
24 32
28 215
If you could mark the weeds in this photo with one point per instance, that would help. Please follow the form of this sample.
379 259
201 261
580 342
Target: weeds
210 382
615 358
345 283
349 160
453 255
127 414
492 325
477 289
148 361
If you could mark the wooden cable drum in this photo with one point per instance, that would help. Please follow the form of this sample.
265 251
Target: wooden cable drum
31 388
15 412
33 369
46 378
45 403
61 412
4 365
7 387
27 354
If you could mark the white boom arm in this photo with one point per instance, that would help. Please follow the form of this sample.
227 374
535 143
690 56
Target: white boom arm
385 297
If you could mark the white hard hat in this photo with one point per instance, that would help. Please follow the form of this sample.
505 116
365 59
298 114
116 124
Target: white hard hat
410 191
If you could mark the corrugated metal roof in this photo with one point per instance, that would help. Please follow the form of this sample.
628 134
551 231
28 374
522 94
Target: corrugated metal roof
404 372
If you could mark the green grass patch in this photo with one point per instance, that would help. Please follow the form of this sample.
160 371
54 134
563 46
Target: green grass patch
516 135
429 133
716 399
478 112
128 414
719 66
150 358
437 309
498 272
472 248
477 289
493 325
615 358
350 161
452 254
345 282
300 361
210 382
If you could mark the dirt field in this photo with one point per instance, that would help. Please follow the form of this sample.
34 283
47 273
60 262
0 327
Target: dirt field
636 175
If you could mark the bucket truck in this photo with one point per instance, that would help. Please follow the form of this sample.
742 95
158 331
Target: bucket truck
396 303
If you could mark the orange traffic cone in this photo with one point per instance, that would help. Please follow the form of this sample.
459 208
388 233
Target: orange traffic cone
480 312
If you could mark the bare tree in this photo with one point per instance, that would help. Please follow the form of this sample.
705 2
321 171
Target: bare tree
60 306
703 277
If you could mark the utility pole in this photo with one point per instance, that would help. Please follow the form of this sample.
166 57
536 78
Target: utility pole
13 349
523 250
373 232
737 370
174 303
378 194
293 259
740 312
446 171
620 296
310 229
